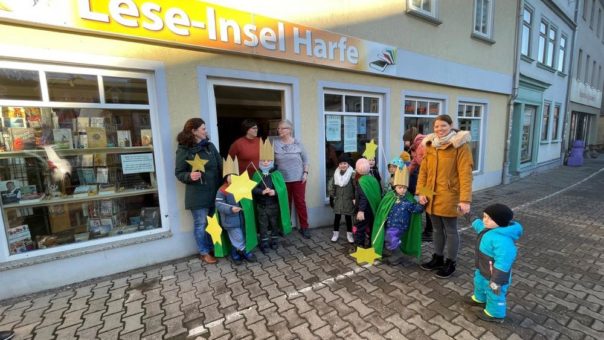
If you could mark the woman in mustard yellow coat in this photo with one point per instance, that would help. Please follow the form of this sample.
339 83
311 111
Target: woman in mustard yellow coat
445 171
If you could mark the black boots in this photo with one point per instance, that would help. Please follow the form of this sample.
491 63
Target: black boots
437 262
447 270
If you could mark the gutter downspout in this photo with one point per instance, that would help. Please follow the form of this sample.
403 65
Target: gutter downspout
565 131
505 174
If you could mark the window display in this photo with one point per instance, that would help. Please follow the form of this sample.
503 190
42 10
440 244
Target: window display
73 172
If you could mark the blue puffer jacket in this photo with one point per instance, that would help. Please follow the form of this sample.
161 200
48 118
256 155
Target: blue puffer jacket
498 247
228 219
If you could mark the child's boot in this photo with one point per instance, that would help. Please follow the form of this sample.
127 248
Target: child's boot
236 256
335 236
447 270
437 262
274 243
248 255
350 237
264 246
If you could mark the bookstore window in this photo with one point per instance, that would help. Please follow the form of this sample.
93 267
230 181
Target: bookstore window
470 118
76 156
420 113
351 120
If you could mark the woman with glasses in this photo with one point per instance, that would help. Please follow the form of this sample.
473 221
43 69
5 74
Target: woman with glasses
292 161
247 147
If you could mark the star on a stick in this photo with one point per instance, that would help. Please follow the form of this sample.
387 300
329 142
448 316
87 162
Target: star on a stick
214 229
370 148
198 164
425 191
241 186
365 255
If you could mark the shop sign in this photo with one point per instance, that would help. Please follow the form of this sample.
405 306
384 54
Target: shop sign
583 93
208 26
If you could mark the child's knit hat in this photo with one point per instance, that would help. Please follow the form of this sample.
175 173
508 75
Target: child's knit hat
500 213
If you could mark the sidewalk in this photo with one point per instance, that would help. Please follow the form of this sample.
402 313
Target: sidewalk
314 289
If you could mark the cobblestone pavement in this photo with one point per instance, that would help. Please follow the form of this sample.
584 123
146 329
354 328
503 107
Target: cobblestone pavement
313 288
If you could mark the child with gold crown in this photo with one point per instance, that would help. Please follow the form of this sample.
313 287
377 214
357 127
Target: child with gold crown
231 214
398 211
270 197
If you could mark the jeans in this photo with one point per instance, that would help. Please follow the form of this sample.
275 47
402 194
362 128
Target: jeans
446 236
203 239
236 237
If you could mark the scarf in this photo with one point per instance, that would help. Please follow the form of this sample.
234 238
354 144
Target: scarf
266 170
438 141
341 179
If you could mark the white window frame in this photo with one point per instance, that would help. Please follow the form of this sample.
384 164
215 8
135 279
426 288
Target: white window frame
380 114
424 97
478 161
152 107
562 53
545 121
529 26
542 42
551 46
432 13
488 30
556 120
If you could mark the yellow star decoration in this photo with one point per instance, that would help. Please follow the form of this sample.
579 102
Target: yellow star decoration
4 7
198 164
365 255
241 186
370 150
424 191
214 229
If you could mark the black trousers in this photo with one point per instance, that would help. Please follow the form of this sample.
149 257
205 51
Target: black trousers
268 220
338 218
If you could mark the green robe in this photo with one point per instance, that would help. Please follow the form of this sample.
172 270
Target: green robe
411 239
371 189
251 236
279 184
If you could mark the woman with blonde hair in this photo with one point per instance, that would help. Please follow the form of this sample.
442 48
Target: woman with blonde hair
292 162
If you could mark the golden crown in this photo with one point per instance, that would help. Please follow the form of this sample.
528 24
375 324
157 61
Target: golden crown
401 176
230 166
266 150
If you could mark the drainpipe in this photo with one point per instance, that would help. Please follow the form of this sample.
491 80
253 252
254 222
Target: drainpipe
505 174
565 131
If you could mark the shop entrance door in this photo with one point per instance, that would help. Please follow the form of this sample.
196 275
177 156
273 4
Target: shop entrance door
235 101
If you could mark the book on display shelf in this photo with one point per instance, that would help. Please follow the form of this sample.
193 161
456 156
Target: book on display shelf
83 123
33 117
98 122
19 239
97 137
146 137
23 138
63 139
124 138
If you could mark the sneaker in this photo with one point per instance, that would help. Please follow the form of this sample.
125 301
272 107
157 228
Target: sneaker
248 256
447 270
305 233
482 315
472 301
336 235
236 257
436 263
350 237
264 246
274 243
6 335
207 258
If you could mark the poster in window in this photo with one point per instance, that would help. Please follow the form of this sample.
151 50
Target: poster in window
333 128
362 125
350 134
475 129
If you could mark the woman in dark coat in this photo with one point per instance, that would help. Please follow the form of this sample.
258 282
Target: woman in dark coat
201 186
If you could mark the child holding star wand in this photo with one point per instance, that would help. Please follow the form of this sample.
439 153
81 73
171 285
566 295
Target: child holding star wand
397 224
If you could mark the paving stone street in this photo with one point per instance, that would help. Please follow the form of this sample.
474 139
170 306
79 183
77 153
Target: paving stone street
313 289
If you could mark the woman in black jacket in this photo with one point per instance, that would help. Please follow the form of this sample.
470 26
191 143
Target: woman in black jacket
201 186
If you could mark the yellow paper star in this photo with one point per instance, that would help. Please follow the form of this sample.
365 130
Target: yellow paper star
365 255
370 150
424 191
214 229
241 186
198 164
4 7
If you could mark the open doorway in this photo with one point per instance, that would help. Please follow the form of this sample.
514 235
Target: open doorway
236 103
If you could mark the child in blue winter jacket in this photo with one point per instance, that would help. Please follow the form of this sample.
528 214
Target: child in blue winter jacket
495 254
